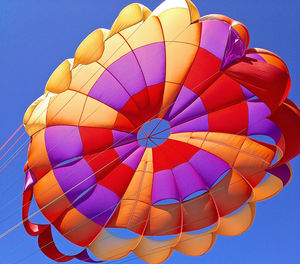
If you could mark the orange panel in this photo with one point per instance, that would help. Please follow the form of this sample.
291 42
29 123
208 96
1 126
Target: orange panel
140 187
130 214
199 213
77 228
47 190
38 160
253 160
164 220
170 92
230 193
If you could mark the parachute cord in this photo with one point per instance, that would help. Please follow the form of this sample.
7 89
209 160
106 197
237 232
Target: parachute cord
18 139
7 141
17 152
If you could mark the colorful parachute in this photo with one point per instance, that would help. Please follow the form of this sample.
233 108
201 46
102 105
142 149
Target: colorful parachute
158 127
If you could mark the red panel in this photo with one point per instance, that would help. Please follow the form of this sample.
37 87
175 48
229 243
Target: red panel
223 92
95 139
204 66
103 163
123 124
268 82
118 180
233 119
287 118
144 105
171 154
142 100
131 111
155 96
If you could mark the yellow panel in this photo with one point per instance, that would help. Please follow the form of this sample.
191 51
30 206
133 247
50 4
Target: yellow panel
97 114
115 48
37 120
146 33
60 79
174 21
179 57
190 35
128 32
30 109
194 13
91 48
129 16
65 108
267 189
196 244
238 222
107 246
85 76
155 251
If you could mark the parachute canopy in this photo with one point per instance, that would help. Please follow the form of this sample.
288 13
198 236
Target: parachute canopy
157 126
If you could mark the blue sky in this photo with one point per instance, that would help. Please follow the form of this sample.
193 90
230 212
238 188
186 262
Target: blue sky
36 36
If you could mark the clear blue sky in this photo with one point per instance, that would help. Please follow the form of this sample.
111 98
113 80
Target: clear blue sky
36 36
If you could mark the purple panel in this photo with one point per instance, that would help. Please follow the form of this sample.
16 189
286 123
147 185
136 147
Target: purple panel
196 109
235 48
30 180
62 143
152 59
258 122
99 205
256 57
282 172
121 138
188 180
127 149
78 173
84 256
184 98
109 91
257 111
198 124
164 186
214 37
134 159
208 166
247 93
128 72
